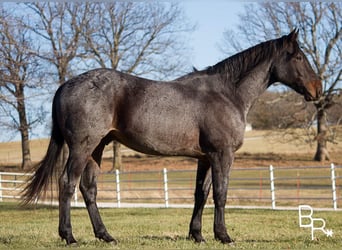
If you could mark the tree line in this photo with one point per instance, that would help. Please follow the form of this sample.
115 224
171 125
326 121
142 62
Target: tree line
286 109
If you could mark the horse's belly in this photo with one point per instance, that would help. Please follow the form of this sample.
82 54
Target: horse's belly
157 142
160 121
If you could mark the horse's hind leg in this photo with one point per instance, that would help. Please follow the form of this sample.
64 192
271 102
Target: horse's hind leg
88 188
67 183
203 183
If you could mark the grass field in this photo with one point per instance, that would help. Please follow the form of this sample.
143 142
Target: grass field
164 229
167 228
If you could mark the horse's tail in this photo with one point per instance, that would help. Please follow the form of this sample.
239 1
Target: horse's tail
44 170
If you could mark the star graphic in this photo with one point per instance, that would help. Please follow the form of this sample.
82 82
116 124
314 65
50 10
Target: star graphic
329 233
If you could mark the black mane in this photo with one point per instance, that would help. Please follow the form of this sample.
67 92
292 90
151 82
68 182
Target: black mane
233 68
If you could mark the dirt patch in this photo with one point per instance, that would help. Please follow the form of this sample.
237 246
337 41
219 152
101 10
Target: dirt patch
142 163
242 160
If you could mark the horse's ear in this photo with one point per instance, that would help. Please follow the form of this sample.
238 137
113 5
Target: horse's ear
293 35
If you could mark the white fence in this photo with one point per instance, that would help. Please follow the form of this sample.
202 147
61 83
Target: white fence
265 187
11 184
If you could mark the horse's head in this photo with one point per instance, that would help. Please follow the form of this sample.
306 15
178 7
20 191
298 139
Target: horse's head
294 70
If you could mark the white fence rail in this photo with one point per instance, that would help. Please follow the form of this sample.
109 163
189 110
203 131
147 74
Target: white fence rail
260 187
11 184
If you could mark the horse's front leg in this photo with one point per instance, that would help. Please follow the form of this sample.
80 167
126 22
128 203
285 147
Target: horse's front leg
221 162
203 183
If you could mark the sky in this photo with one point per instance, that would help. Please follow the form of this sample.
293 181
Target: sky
211 19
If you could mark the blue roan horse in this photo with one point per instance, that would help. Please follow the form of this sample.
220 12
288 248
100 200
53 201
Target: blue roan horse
200 115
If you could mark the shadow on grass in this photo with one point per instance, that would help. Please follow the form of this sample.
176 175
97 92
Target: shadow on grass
11 206
164 237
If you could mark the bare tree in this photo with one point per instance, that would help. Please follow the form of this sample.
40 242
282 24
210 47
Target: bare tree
280 110
17 68
320 26
58 27
137 38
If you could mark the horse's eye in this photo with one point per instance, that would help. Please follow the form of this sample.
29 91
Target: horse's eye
298 57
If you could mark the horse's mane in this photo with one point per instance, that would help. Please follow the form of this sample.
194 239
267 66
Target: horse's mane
233 68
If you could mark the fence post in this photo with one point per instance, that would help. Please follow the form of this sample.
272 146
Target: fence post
118 196
0 187
298 187
166 191
272 187
333 186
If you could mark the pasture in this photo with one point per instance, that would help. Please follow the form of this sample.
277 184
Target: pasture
138 228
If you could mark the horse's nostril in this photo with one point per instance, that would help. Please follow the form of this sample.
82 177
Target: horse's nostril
319 92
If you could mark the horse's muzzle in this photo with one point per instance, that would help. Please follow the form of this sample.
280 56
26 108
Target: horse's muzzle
313 91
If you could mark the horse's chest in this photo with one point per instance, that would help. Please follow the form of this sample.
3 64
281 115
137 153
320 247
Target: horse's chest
225 129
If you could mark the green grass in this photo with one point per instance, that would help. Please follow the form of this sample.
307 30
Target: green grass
164 229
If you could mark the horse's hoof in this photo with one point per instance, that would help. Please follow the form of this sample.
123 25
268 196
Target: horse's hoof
225 239
107 238
114 242
230 243
199 241
70 241
73 245
196 237
67 236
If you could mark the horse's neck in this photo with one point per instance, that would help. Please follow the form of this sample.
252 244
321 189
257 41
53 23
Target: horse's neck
253 85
